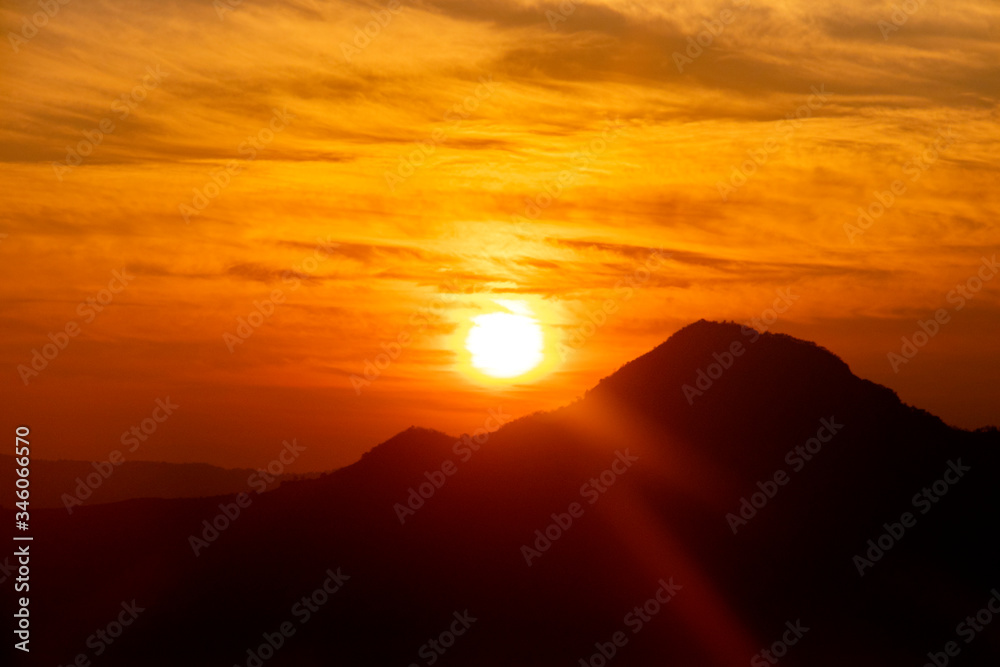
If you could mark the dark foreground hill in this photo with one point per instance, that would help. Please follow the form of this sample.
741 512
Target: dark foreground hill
789 507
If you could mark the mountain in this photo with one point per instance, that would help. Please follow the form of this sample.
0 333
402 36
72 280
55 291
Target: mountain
71 484
725 494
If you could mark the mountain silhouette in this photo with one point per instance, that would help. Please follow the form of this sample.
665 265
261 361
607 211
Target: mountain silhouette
704 503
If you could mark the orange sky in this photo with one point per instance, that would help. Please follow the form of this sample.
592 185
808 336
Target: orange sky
474 151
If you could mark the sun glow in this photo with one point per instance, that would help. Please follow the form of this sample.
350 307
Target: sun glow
506 344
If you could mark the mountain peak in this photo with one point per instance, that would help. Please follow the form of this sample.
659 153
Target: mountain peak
716 348
717 379
415 441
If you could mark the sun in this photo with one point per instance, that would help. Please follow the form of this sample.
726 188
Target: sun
505 345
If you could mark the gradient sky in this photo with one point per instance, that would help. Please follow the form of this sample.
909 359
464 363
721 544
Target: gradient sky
407 187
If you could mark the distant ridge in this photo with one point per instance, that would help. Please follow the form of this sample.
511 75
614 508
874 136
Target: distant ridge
132 479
